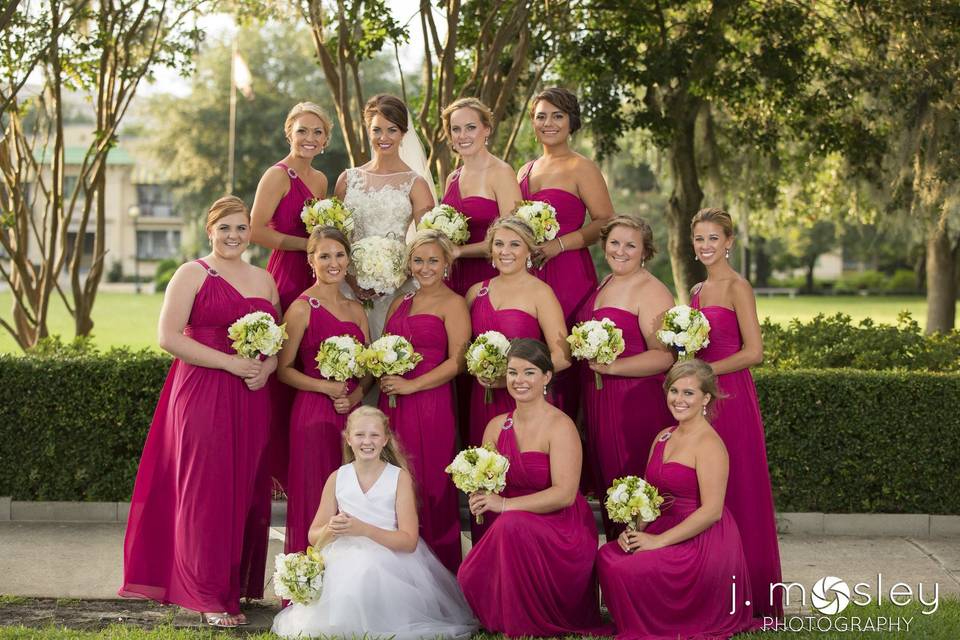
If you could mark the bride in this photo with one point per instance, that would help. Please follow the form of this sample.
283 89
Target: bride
385 194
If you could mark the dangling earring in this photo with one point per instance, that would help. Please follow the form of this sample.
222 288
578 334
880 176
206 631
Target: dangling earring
643 262
704 409
493 263
726 254
544 389
323 149
529 262
696 257
446 272
486 142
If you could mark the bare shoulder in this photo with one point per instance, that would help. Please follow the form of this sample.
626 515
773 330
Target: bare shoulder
275 177
356 310
710 445
453 302
472 292
740 286
405 478
562 425
655 291
584 166
298 312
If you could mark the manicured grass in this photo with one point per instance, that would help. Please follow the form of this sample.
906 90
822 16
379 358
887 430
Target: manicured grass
131 320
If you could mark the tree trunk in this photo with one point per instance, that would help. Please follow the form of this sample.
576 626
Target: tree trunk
761 263
941 278
808 286
685 200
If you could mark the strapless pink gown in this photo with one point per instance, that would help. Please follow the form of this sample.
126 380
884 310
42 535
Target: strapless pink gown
197 534
683 590
316 446
624 417
749 497
424 424
482 212
532 574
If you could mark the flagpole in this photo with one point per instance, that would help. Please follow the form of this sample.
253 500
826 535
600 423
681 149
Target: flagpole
232 133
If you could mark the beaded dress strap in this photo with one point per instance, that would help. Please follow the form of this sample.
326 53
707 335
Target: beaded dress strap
210 270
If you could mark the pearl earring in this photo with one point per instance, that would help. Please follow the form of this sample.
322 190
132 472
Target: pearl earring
643 263
544 389
704 409
726 254
529 262
696 257
493 263
446 272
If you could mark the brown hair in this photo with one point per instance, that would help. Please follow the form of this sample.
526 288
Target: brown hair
716 216
700 370
324 233
308 107
391 452
562 99
223 207
431 236
390 107
639 224
513 223
486 116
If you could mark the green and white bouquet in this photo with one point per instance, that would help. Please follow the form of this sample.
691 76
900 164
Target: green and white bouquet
389 355
479 469
447 221
329 212
600 340
541 217
631 500
378 263
685 329
338 358
298 577
487 358
257 334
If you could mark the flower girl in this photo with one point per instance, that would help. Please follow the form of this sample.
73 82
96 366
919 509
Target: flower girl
380 578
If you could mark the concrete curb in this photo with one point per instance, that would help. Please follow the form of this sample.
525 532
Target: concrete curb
830 524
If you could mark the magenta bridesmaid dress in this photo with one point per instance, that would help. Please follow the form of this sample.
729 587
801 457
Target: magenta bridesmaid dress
196 536
749 497
683 590
290 269
424 425
570 274
482 212
532 574
316 446
624 417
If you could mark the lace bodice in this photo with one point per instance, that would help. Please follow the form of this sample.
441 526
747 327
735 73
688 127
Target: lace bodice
380 203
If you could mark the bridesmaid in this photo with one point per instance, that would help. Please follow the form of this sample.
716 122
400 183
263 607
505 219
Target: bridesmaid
436 321
532 573
483 188
517 305
574 185
624 417
727 301
320 408
674 578
194 535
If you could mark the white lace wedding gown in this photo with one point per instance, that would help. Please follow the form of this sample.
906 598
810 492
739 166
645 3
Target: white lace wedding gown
381 207
369 590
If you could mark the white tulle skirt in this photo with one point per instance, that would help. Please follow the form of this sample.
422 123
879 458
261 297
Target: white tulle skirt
373 591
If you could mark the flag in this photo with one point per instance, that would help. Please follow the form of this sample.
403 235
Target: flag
242 79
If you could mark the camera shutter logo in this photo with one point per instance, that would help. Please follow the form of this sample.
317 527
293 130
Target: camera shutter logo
830 595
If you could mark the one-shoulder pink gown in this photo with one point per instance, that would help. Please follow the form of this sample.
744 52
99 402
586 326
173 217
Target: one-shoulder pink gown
424 424
532 574
624 417
482 212
316 447
196 536
682 590
749 496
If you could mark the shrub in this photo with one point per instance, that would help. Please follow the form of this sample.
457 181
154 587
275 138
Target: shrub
858 281
903 281
165 270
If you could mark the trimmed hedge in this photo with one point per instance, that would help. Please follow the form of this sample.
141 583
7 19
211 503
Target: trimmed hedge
72 428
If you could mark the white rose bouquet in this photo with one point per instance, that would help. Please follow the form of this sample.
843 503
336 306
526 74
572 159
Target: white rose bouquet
338 358
257 334
600 340
447 221
389 355
298 577
329 212
487 358
479 469
631 500
541 217
378 263
685 329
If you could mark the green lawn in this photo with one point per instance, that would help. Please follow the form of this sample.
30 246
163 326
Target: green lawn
129 319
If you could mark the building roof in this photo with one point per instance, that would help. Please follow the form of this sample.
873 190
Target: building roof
73 155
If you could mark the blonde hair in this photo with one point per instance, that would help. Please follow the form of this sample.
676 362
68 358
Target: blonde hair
639 224
513 223
308 107
223 207
715 215
704 374
431 236
486 116
391 452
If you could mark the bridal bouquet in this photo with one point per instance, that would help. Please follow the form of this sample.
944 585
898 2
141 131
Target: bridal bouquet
330 212
379 263
631 500
299 576
447 221
541 217
338 358
479 469
256 334
600 340
389 355
685 329
487 358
